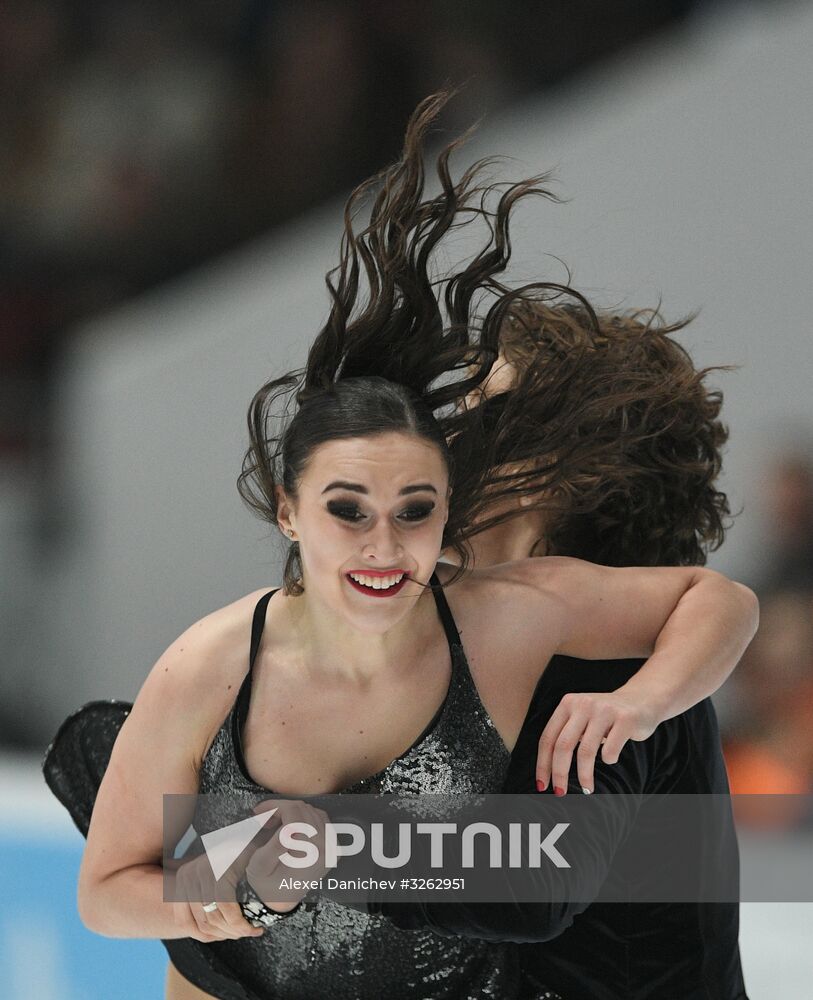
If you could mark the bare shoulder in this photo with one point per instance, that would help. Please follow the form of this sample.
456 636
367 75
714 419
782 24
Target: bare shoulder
542 574
196 678
158 751
510 630
524 583
511 607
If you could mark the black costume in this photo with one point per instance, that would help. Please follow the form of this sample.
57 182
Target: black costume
324 948
613 951
511 950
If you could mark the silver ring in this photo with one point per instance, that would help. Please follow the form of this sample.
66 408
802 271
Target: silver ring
209 907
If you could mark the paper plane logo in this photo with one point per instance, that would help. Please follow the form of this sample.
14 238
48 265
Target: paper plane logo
224 846
185 842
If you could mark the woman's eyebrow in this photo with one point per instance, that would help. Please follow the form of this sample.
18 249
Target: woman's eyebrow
340 484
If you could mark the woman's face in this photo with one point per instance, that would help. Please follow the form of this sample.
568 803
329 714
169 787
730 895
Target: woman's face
369 517
502 377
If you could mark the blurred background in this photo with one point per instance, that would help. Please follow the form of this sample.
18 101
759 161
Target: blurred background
171 184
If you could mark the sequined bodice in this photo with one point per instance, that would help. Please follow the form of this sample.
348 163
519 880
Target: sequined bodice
325 949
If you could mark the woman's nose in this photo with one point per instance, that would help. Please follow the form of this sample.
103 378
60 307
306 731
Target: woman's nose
382 545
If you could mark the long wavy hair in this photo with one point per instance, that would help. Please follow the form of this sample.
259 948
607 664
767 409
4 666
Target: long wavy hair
644 492
394 316
397 317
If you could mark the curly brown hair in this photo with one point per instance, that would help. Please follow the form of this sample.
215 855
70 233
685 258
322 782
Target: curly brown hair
609 428
644 492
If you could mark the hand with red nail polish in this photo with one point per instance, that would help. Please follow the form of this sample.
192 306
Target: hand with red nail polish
584 723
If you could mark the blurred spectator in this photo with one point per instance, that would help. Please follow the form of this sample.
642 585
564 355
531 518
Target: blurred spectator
790 526
769 749
768 701
140 138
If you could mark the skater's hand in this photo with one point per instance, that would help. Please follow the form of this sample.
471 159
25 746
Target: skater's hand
195 881
264 867
588 721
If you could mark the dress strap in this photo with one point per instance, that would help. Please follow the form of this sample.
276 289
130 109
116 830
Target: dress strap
449 627
240 707
257 625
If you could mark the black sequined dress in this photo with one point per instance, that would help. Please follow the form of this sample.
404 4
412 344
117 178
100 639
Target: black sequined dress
323 948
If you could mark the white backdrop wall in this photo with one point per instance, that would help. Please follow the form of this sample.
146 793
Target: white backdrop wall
688 166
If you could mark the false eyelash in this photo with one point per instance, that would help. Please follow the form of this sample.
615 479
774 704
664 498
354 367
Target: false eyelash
424 510
344 511
348 512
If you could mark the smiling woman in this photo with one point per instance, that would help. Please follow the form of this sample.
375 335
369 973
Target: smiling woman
375 528
370 579
374 668
410 468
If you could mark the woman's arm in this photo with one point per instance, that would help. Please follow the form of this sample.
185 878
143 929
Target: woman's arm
183 699
693 623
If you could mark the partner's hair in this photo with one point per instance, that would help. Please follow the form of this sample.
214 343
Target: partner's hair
645 492
388 358
404 345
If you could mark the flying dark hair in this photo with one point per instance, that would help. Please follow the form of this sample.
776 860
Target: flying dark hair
395 353
644 491
624 465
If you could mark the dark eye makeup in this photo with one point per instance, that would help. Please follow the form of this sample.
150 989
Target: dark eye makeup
350 511
345 511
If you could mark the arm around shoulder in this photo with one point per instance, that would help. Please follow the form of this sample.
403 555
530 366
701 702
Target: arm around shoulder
603 612
692 623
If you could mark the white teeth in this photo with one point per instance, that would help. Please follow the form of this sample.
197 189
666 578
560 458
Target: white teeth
377 582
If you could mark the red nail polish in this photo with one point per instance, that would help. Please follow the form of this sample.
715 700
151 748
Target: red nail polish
558 791
541 785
